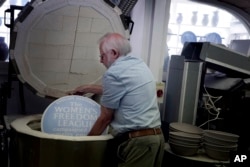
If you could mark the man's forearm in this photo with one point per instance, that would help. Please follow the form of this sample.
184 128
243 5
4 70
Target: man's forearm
96 89
102 122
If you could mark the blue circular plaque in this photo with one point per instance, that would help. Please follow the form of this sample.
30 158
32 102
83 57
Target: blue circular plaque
188 36
70 116
214 38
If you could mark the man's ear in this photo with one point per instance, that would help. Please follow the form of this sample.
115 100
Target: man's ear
115 53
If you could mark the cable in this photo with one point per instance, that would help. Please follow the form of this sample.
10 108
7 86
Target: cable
209 104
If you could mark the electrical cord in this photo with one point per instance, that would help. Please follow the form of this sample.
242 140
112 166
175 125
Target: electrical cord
209 106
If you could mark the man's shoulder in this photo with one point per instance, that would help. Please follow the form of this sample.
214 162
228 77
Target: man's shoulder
124 66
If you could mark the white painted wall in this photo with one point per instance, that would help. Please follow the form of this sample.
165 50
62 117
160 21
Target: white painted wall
159 34
136 39
148 38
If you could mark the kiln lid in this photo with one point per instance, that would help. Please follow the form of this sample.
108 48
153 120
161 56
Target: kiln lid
54 43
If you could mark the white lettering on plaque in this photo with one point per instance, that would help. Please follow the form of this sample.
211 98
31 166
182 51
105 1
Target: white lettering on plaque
70 115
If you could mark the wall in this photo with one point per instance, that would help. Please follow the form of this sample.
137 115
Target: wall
149 35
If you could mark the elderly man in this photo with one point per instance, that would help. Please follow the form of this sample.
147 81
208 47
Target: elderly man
128 105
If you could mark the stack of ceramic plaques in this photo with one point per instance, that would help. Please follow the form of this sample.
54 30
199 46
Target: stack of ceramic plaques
219 144
185 127
184 139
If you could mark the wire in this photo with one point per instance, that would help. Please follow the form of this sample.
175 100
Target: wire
209 104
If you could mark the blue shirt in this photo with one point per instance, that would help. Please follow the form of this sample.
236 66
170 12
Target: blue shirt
129 88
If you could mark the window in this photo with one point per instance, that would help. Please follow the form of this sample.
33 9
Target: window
5 31
201 23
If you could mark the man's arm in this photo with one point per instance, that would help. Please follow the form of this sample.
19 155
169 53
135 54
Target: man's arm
102 122
81 90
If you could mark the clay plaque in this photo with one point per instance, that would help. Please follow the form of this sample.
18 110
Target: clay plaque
70 116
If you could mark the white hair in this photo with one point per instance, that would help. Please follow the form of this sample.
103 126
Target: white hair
116 42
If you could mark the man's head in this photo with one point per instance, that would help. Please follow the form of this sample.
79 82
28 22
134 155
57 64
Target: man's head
112 46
